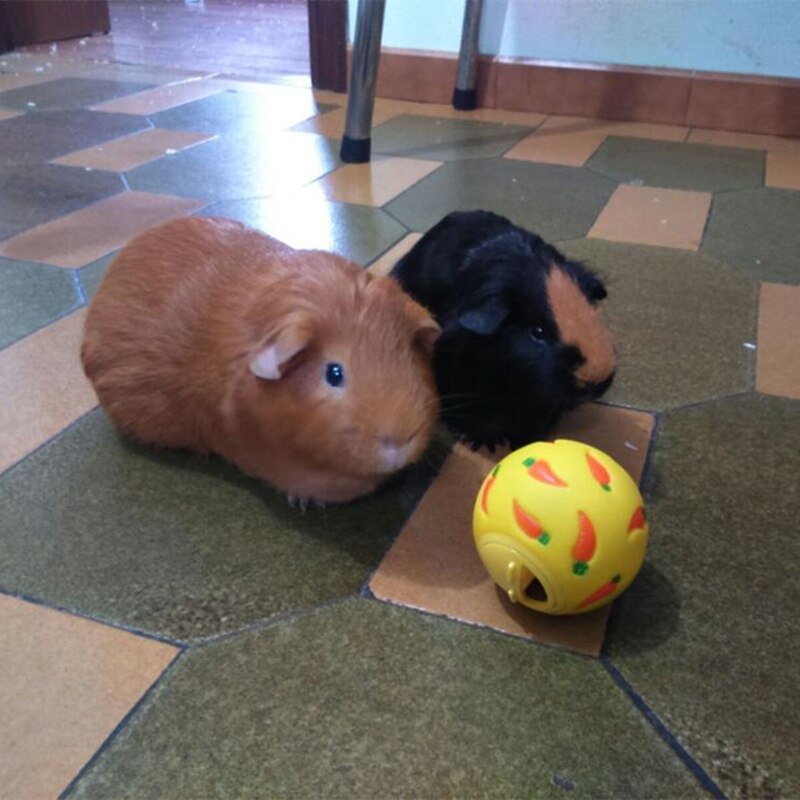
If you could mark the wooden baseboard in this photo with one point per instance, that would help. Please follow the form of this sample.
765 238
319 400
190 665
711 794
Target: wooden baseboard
704 100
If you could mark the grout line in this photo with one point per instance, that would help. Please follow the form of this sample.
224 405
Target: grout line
269 622
51 321
109 623
121 725
8 470
703 778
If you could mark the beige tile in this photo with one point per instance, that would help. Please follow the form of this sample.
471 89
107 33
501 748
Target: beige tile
121 155
783 170
374 183
18 80
86 235
326 96
571 141
479 114
778 363
383 265
568 149
657 217
161 98
67 683
331 124
750 141
433 564
9 113
44 388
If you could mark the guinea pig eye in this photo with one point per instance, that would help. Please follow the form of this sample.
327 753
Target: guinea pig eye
334 374
536 333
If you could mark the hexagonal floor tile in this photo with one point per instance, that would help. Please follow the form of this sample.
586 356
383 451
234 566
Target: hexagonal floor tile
681 323
674 165
68 93
240 165
444 139
757 231
555 202
32 194
708 634
32 295
173 544
33 138
229 112
365 700
91 275
305 221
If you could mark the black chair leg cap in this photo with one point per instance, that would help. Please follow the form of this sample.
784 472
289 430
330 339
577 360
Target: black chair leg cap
355 151
465 99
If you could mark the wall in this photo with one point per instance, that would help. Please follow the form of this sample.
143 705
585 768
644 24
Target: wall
760 37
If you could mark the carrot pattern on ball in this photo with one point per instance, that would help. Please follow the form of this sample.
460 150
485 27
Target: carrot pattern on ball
638 520
599 472
487 488
539 469
529 524
604 591
584 548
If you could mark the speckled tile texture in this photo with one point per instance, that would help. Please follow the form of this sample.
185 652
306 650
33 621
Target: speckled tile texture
674 165
709 634
556 202
33 295
758 232
295 677
68 93
386 703
176 545
444 139
682 324
303 220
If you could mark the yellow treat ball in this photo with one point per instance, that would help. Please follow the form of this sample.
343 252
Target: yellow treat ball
560 526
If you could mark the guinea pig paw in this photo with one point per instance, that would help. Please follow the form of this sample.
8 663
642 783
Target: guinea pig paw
300 503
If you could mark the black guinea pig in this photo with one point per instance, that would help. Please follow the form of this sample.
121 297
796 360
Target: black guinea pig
522 340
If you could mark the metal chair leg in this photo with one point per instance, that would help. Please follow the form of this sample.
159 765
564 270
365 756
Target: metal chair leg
357 140
465 95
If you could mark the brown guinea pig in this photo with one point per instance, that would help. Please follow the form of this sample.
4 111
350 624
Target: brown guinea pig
296 365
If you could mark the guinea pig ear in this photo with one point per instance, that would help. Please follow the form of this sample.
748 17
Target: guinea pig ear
280 346
486 317
426 330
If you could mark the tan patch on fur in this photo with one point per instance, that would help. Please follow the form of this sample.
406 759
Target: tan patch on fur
581 326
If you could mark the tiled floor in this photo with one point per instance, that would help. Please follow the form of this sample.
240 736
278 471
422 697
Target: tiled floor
170 629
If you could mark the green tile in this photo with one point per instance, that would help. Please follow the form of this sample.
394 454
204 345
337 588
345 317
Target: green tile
33 138
91 275
239 166
360 233
31 296
68 93
444 139
709 636
680 321
757 231
272 109
674 165
364 700
32 194
174 544
555 202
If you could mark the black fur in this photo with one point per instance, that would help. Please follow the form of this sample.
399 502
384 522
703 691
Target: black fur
501 370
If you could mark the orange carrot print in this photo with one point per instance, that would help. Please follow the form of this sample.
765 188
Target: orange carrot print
487 488
538 468
637 520
584 548
599 472
529 524
604 591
